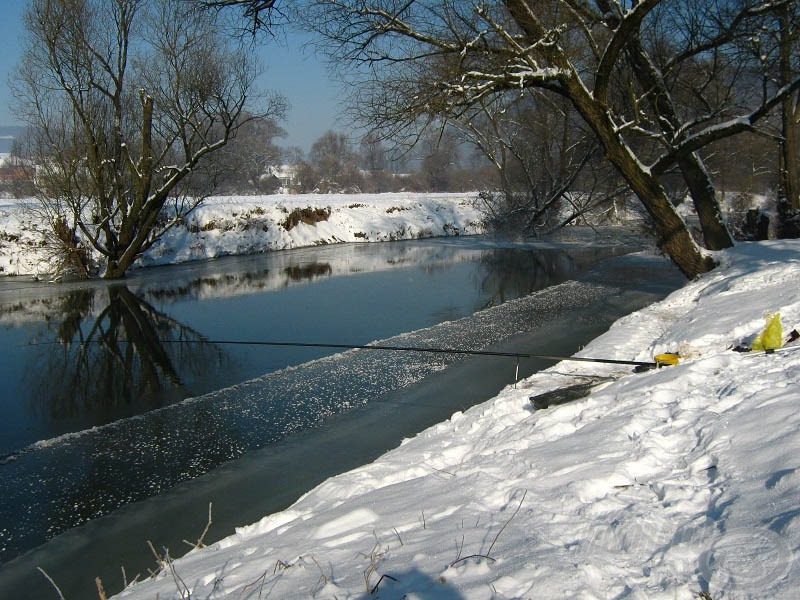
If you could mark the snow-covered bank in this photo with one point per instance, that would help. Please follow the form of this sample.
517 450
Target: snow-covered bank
660 484
224 226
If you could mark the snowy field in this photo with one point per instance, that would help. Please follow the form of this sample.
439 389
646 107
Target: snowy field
662 484
225 225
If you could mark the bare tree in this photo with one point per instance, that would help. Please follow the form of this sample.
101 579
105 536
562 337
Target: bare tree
660 77
245 160
771 51
126 100
541 153
570 48
373 154
335 162
374 161
260 14
440 159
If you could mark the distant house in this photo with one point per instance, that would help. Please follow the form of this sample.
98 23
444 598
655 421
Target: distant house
16 176
10 173
286 174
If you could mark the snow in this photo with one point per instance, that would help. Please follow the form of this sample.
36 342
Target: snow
661 484
235 225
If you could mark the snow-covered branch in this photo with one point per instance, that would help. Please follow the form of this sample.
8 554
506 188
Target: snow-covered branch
739 124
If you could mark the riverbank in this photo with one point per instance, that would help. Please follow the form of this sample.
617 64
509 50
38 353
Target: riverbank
660 484
242 225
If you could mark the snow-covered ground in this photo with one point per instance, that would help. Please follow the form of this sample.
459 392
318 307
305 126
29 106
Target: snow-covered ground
225 225
661 484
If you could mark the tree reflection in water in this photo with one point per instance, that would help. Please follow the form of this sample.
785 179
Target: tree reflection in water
517 273
127 354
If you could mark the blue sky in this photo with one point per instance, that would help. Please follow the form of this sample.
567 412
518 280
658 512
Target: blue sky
290 69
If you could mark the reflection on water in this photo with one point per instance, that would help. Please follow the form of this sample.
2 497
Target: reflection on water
301 273
509 275
91 355
107 359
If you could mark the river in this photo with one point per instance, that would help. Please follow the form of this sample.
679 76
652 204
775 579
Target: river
126 411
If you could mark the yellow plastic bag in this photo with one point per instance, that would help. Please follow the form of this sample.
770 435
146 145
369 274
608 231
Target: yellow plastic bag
667 359
772 336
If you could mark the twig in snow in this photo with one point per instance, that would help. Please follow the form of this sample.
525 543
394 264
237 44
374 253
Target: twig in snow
125 583
280 565
511 518
323 580
465 558
260 582
53 583
183 589
374 556
199 543
460 548
159 560
398 536
443 471
488 555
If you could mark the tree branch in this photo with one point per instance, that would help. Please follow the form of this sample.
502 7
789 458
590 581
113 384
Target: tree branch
703 138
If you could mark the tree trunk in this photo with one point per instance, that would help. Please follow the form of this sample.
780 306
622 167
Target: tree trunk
125 256
789 171
695 175
672 235
704 197
790 113
114 270
790 151
138 217
788 182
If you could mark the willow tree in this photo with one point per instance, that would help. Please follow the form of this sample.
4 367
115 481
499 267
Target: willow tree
126 101
424 61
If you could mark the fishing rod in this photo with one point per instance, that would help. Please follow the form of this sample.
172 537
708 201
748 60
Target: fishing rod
640 365
517 355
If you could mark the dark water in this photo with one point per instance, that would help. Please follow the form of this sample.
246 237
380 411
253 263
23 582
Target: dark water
94 416
80 356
